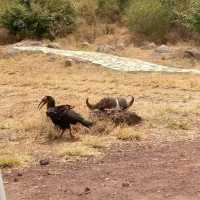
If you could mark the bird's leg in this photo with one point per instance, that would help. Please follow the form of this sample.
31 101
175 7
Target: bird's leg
61 134
70 132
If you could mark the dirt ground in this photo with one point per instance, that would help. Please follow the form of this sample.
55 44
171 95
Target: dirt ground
142 171
157 159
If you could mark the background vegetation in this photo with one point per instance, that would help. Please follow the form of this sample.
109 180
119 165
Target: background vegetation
154 19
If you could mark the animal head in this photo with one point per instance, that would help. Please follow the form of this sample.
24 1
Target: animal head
46 100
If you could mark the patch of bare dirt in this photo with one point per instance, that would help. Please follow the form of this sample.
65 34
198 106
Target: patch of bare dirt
130 171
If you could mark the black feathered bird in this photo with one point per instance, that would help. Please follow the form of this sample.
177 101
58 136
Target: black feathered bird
62 116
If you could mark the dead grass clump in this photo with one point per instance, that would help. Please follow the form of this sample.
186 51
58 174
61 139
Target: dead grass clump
95 141
9 161
77 150
118 117
40 124
12 160
127 134
176 125
30 123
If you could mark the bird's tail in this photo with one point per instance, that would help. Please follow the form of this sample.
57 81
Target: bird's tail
86 123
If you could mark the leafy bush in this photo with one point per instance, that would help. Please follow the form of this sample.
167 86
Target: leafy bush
150 17
86 10
193 17
39 18
109 10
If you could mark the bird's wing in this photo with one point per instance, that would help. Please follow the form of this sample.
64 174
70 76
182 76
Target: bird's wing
66 106
71 116
63 114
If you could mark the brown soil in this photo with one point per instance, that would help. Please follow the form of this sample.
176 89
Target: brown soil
163 165
130 171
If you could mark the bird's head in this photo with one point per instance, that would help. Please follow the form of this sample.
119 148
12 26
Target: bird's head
47 100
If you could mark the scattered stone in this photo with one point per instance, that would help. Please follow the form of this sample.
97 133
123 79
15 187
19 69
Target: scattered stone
125 184
163 49
85 45
44 162
54 45
52 58
114 62
19 174
68 63
28 43
120 46
105 48
10 52
192 53
16 180
87 190
148 45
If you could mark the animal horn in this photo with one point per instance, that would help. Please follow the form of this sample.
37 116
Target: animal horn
90 106
131 102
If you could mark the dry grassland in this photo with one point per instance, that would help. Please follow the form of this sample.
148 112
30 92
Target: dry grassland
168 103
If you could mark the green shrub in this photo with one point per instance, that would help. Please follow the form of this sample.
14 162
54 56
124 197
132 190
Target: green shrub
109 10
193 16
150 17
86 10
41 18
123 4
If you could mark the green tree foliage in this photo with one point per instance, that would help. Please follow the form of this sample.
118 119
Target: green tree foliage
39 18
150 17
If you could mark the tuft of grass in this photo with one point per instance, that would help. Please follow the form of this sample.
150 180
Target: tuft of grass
40 123
12 160
9 124
176 125
31 123
95 142
78 150
128 134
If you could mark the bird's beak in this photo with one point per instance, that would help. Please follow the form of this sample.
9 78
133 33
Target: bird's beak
41 104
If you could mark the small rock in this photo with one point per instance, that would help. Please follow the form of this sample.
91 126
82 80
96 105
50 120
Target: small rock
125 184
163 49
52 58
12 52
87 190
148 45
16 180
54 45
28 43
105 48
19 174
44 162
85 45
68 63
120 46
192 53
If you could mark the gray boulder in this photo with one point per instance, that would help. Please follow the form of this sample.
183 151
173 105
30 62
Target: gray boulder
192 53
163 49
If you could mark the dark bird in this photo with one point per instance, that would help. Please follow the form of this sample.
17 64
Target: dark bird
109 103
62 116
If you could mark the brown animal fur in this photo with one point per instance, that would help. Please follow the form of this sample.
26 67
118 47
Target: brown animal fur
109 103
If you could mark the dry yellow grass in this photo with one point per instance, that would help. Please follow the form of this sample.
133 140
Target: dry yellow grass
13 160
168 103
128 134
77 150
97 142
